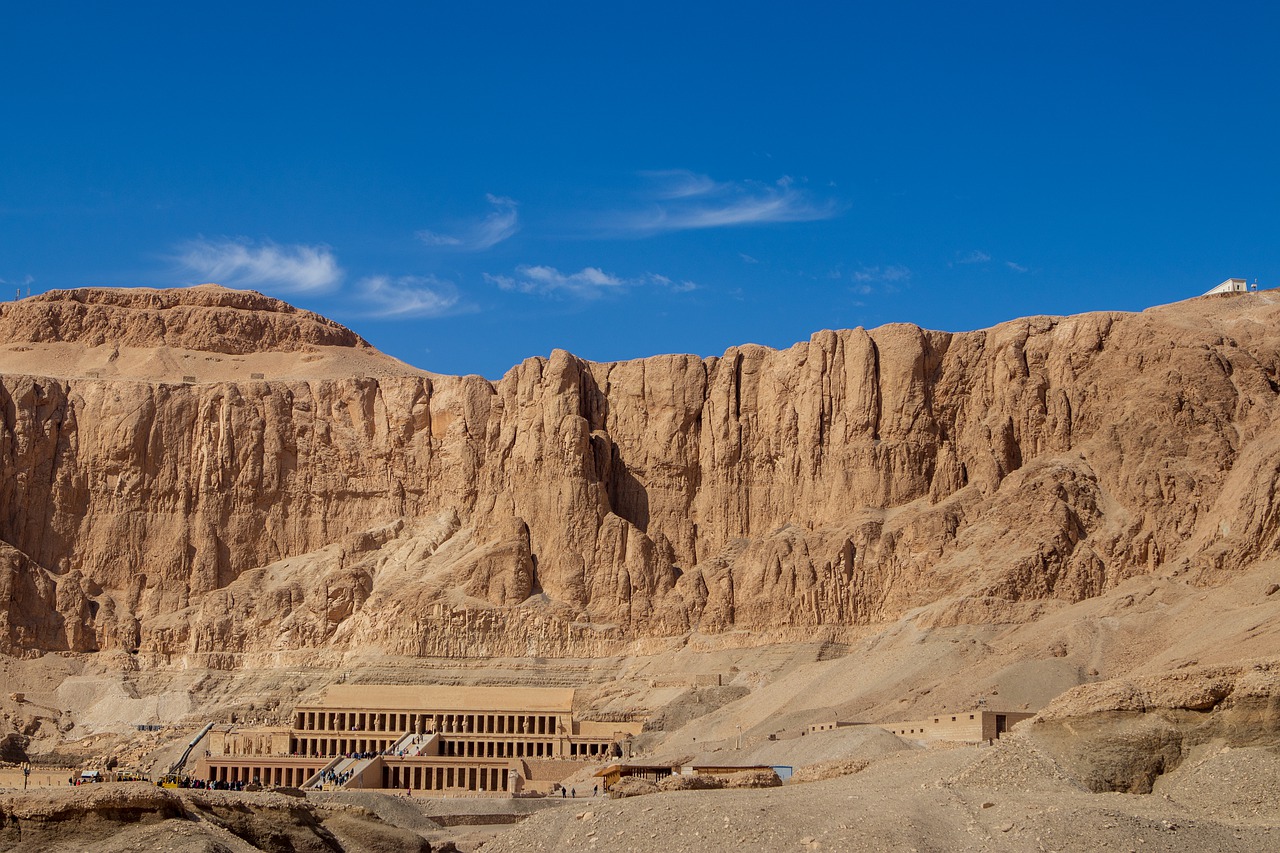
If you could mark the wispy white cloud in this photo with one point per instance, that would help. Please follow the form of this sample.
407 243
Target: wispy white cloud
663 281
680 183
683 200
587 283
241 263
501 223
747 259
975 256
26 279
891 273
408 296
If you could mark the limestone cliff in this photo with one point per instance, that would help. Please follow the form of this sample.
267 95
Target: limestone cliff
209 472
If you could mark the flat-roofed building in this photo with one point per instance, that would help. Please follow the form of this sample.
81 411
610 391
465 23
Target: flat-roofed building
614 773
473 722
972 726
423 738
1231 285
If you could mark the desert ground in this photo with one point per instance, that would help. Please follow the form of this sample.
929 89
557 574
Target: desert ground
1004 797
855 788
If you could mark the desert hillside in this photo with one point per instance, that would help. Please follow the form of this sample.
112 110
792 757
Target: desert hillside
213 476
213 505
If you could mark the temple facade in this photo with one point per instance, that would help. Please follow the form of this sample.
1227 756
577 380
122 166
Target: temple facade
434 739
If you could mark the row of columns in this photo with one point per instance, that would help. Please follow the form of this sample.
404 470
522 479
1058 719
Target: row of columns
466 748
328 746
442 778
497 748
380 721
338 746
257 774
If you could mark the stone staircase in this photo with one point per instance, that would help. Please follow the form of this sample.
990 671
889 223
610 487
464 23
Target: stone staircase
316 780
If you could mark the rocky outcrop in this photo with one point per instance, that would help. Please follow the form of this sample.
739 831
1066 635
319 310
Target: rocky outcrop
133 815
1124 734
578 508
207 318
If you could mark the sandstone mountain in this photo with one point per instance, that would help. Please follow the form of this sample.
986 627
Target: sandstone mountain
213 476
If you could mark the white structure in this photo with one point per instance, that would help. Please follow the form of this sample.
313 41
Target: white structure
1231 285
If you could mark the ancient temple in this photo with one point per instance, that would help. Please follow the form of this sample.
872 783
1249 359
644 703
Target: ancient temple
426 739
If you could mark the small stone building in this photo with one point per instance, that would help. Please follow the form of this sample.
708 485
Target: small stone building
973 726
1231 285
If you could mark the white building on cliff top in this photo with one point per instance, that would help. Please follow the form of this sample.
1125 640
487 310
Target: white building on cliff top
1231 285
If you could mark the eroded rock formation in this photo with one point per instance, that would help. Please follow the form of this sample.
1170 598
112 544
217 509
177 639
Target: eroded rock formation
299 490
1122 735
132 816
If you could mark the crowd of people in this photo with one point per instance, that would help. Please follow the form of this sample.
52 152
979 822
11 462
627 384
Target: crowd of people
211 785
201 784
329 776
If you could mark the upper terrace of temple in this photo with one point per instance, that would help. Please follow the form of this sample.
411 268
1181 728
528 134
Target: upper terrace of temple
383 710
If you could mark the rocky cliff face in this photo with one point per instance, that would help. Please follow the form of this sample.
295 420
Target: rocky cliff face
573 507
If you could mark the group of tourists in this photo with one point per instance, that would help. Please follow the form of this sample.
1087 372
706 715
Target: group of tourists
201 784
328 776
573 792
211 785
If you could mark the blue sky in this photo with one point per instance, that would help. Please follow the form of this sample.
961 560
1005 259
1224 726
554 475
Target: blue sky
468 185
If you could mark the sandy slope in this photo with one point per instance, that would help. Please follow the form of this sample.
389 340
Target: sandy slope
978 799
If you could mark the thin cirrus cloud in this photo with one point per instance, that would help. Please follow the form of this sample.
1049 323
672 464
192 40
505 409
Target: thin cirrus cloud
587 283
403 297
293 268
866 279
684 201
891 273
975 256
501 223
